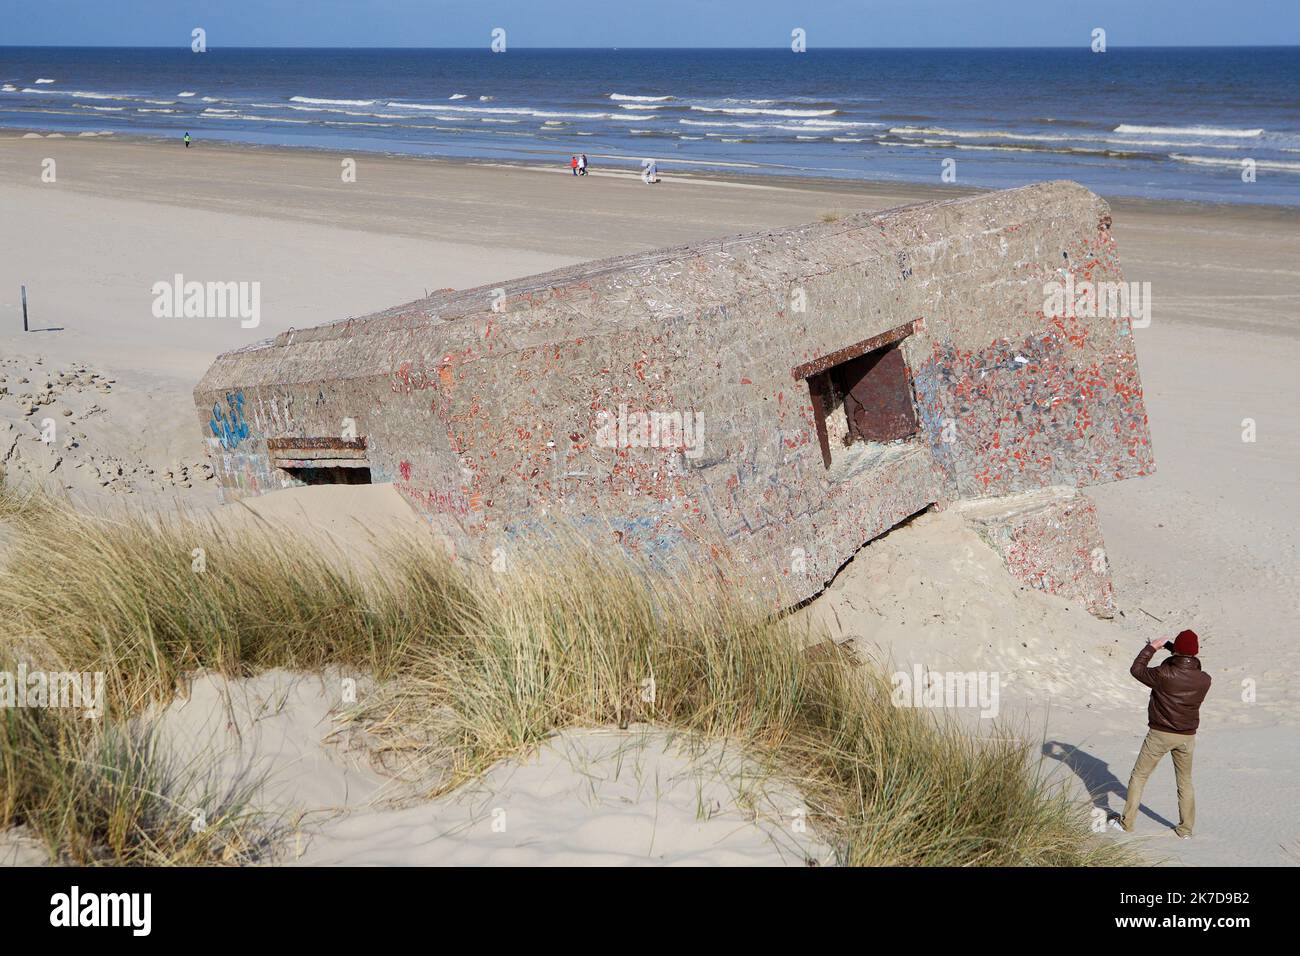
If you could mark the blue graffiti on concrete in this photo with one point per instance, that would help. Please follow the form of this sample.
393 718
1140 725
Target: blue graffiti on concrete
229 426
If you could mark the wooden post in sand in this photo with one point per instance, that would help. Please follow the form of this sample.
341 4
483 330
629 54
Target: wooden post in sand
24 288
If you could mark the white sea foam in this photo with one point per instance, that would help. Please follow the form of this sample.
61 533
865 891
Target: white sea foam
256 119
717 123
1275 164
836 124
639 99
457 96
499 111
186 93
640 106
755 111
44 80
1191 131
77 94
924 131
320 102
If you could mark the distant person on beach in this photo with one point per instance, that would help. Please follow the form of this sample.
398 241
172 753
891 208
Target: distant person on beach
187 140
573 164
649 171
582 164
1178 686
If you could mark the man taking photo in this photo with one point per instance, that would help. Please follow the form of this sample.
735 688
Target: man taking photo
1178 686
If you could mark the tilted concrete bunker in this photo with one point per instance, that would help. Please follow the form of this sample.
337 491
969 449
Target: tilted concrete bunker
779 398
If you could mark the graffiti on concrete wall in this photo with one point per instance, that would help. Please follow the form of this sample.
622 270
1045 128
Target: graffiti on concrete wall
228 425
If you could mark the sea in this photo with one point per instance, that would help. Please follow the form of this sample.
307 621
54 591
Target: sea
1202 124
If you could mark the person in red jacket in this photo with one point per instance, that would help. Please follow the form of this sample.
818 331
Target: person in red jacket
1178 686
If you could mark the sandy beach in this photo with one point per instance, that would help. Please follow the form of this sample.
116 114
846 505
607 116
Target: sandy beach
1209 542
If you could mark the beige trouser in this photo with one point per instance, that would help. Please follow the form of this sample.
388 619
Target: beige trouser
1157 744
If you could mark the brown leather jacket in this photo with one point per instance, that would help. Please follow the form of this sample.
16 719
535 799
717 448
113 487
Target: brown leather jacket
1178 686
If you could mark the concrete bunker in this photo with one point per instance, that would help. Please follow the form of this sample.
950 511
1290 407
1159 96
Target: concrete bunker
839 377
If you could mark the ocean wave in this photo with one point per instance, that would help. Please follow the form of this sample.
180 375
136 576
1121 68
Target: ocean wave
756 111
316 109
458 96
720 123
804 126
77 94
186 93
1275 164
638 99
8 88
1223 131
154 111
913 131
963 133
500 111
1055 151
641 106
252 119
837 124
44 80
320 102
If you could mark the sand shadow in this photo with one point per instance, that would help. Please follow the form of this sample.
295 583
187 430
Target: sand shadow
1097 778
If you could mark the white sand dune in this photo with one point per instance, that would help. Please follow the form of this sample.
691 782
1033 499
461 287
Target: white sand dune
601 797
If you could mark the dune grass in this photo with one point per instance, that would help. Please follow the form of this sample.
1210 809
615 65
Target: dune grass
473 667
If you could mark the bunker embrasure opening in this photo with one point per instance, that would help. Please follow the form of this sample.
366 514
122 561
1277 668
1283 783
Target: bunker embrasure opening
862 393
321 461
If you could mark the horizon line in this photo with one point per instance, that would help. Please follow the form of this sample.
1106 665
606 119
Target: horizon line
783 47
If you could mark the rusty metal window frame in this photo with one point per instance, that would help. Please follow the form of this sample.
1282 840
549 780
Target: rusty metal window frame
325 452
816 373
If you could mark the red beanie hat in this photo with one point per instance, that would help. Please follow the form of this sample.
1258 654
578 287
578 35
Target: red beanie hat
1186 643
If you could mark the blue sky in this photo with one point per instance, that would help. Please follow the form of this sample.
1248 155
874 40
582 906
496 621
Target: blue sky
655 23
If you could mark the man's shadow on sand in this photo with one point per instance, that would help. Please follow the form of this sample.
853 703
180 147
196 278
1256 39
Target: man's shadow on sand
1096 776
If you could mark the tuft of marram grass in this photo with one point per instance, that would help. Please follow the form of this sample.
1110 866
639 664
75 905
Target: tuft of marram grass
104 791
476 666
